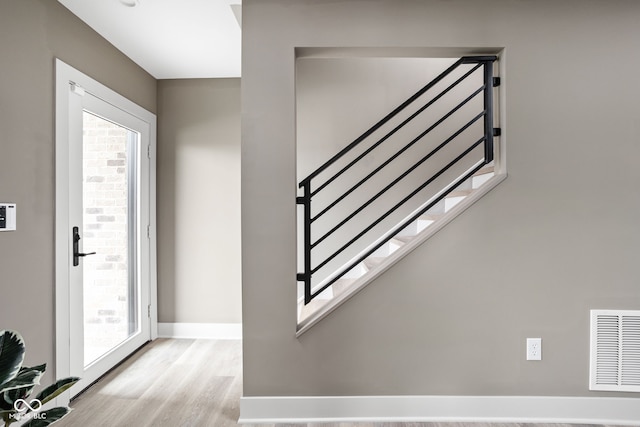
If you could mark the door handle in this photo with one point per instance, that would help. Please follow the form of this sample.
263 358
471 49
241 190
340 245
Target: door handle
76 248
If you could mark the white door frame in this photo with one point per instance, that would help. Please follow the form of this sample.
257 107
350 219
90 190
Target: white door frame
65 76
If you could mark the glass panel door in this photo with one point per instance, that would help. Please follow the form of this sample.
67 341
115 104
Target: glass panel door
105 239
109 216
110 293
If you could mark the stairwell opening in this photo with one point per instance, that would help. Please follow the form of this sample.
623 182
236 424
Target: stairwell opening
338 97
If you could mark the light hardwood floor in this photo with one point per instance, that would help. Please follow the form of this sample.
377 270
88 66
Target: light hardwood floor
194 383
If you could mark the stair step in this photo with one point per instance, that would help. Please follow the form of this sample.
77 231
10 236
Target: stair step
405 239
387 249
397 241
356 272
450 202
341 285
459 193
309 309
479 180
423 223
325 295
485 170
430 217
437 209
373 261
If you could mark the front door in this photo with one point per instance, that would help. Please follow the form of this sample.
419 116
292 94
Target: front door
107 231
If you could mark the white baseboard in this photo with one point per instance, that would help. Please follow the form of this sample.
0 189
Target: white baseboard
498 409
218 331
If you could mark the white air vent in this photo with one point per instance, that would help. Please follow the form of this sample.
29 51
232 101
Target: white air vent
615 350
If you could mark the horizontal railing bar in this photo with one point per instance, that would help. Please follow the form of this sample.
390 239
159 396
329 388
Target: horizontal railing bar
428 156
391 234
398 153
402 176
385 119
394 130
397 205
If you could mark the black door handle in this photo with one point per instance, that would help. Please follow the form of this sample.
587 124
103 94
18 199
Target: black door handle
76 248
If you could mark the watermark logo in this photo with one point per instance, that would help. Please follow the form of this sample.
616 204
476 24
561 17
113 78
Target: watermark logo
22 405
22 408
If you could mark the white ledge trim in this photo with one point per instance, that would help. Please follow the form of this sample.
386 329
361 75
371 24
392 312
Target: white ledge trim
501 409
217 331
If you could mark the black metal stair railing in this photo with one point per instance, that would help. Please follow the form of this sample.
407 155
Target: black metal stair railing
486 90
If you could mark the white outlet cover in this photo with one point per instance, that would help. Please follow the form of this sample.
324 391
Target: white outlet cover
534 348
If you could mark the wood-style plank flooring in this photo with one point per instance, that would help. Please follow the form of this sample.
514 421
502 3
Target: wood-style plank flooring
188 383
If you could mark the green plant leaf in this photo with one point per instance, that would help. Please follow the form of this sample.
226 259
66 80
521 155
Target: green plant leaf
48 417
6 419
4 403
56 389
40 368
26 378
11 396
12 350
6 411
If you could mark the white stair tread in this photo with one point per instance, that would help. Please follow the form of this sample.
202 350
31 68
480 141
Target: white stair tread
430 217
372 261
452 201
405 239
485 170
459 193
341 285
356 272
309 309
479 180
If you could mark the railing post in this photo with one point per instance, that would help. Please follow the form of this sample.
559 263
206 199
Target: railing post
305 276
488 108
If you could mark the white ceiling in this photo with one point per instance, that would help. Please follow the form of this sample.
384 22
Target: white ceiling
170 39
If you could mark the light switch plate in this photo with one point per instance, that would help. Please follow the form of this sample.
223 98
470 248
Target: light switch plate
7 216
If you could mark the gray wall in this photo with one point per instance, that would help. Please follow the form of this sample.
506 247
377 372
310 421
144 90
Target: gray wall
557 238
199 277
32 33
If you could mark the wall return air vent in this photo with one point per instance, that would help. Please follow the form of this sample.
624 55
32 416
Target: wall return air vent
615 350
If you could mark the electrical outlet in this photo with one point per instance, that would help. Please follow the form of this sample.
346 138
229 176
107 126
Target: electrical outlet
534 348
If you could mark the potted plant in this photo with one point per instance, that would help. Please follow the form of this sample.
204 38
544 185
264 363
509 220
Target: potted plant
17 383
